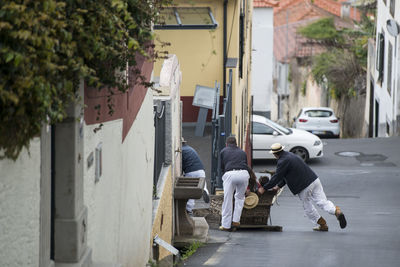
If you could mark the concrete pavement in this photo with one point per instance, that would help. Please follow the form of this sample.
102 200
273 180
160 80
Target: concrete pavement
366 185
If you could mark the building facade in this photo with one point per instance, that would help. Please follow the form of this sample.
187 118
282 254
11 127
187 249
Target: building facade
262 56
384 76
215 40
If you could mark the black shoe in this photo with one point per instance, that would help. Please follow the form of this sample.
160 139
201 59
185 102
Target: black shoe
340 216
206 197
342 220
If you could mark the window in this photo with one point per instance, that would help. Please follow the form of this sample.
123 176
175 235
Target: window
259 128
392 7
380 56
389 69
241 44
318 113
186 18
387 128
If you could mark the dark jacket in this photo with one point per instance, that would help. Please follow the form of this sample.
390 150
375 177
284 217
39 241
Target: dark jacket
233 158
190 160
292 170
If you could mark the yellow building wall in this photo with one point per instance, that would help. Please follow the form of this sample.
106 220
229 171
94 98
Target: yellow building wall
199 51
163 223
241 107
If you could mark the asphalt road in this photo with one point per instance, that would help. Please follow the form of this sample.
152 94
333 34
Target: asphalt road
364 181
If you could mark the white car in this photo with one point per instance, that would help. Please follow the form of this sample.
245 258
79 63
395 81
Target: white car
266 132
319 121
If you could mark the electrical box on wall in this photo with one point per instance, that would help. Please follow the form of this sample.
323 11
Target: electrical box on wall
99 163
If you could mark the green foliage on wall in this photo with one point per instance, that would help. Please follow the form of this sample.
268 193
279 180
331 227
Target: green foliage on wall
304 88
48 46
323 30
345 58
339 69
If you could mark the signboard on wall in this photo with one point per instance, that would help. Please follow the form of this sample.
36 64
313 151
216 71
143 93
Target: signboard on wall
204 97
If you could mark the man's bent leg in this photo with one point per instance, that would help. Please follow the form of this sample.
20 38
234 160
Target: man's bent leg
319 198
309 209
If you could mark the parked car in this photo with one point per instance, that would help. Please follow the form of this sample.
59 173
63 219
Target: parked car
266 132
319 121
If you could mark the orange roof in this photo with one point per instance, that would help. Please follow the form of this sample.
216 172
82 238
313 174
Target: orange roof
331 6
292 14
265 3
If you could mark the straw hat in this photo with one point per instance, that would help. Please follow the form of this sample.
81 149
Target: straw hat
275 148
251 200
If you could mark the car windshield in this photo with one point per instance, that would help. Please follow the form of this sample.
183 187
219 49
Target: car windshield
318 113
279 127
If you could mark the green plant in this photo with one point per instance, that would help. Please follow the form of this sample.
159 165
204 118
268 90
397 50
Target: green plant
324 31
213 51
191 249
290 74
152 263
345 58
47 47
304 88
339 69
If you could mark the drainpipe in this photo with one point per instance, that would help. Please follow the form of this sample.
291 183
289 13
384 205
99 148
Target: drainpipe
224 48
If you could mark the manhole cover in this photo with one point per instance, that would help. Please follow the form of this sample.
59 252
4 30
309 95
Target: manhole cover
348 154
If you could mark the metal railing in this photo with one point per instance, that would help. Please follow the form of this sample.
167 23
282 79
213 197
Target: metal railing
221 128
159 147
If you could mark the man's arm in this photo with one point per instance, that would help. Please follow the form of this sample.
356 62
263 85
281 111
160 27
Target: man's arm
278 178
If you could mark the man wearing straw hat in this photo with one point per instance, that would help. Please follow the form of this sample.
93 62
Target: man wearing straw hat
302 181
235 179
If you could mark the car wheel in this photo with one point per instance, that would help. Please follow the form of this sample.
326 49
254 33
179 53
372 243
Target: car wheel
301 152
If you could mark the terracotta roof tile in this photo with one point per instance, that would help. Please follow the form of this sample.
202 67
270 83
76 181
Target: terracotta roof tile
292 14
331 6
265 3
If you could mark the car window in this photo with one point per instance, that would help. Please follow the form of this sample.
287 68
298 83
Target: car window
279 127
259 128
318 113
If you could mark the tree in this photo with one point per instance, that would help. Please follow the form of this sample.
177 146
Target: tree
48 46
345 58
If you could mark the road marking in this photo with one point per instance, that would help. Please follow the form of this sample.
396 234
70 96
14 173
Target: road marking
216 257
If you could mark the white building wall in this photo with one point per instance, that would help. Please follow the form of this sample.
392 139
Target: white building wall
120 203
387 101
397 72
20 208
262 59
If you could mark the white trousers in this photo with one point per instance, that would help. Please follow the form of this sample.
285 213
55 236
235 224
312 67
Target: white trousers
314 193
195 174
233 181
